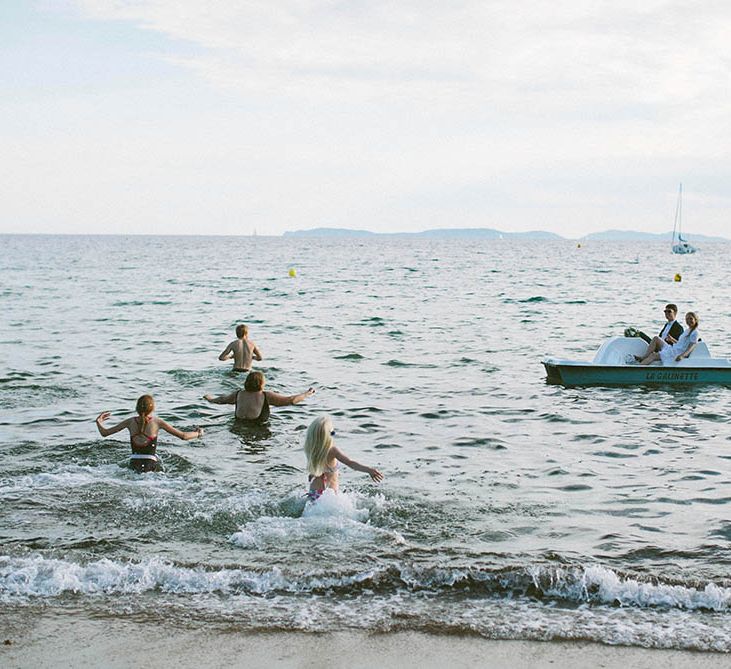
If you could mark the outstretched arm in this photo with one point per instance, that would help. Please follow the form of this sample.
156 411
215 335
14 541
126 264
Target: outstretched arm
373 473
286 400
185 436
222 399
106 431
227 352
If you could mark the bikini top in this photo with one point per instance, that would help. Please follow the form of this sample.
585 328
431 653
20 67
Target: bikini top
263 414
147 448
327 472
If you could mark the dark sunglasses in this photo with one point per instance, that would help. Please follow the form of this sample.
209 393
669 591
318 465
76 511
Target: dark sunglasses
332 433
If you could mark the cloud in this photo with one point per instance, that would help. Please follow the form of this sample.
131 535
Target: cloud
645 71
511 54
403 115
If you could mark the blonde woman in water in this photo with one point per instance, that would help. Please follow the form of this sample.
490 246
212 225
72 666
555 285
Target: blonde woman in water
323 458
143 429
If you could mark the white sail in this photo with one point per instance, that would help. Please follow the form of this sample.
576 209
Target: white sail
680 244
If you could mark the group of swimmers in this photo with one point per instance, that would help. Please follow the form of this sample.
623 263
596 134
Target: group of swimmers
672 343
252 406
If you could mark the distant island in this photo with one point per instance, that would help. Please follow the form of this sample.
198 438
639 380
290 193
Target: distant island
485 233
490 233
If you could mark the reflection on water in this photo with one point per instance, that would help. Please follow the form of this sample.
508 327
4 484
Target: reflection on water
254 438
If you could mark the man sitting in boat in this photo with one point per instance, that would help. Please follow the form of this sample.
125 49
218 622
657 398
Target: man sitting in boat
671 331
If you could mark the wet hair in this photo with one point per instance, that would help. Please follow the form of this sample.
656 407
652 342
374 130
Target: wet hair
254 382
695 316
672 306
145 406
318 442
242 330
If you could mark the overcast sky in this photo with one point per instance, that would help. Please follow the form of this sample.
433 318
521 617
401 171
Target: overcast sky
230 116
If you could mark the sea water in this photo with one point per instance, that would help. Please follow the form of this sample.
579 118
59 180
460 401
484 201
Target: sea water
510 508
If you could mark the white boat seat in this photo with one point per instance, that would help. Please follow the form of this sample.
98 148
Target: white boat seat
617 350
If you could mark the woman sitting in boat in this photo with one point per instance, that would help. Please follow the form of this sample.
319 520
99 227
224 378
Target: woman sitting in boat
669 353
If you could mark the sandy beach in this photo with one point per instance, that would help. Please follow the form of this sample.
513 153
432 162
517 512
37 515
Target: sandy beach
74 640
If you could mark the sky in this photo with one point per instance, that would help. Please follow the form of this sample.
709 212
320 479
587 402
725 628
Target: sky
234 117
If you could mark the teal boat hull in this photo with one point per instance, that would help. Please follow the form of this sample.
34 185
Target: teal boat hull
577 374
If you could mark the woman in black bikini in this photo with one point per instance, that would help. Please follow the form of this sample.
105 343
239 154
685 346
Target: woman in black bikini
143 430
252 403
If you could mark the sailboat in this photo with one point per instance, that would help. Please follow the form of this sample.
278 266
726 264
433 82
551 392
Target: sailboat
680 245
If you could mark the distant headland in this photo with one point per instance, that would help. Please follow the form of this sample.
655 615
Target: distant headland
490 233
485 233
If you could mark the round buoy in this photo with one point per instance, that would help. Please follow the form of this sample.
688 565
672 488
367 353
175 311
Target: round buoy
292 272
678 278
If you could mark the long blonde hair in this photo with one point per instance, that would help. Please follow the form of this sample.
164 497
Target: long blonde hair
318 443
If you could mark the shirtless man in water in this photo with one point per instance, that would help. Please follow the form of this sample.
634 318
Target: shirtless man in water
242 350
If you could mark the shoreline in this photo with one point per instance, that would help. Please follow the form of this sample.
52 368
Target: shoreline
64 639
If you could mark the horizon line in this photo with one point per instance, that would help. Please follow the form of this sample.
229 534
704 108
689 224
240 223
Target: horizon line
366 233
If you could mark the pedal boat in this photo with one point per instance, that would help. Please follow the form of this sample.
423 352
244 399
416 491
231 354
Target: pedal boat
614 365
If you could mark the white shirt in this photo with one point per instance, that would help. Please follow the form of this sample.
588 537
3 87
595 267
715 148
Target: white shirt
666 330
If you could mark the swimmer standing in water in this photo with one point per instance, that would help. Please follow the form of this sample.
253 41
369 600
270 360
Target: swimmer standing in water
323 458
252 403
143 430
242 350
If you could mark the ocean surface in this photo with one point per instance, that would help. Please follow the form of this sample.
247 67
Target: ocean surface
510 509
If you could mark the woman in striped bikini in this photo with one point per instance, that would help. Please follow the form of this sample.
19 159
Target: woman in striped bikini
143 430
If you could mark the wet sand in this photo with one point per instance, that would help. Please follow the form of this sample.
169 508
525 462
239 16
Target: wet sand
78 641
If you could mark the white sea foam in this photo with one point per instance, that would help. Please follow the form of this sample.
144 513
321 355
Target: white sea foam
154 493
73 476
600 584
336 505
44 577
237 595
68 476
419 576
200 504
335 518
